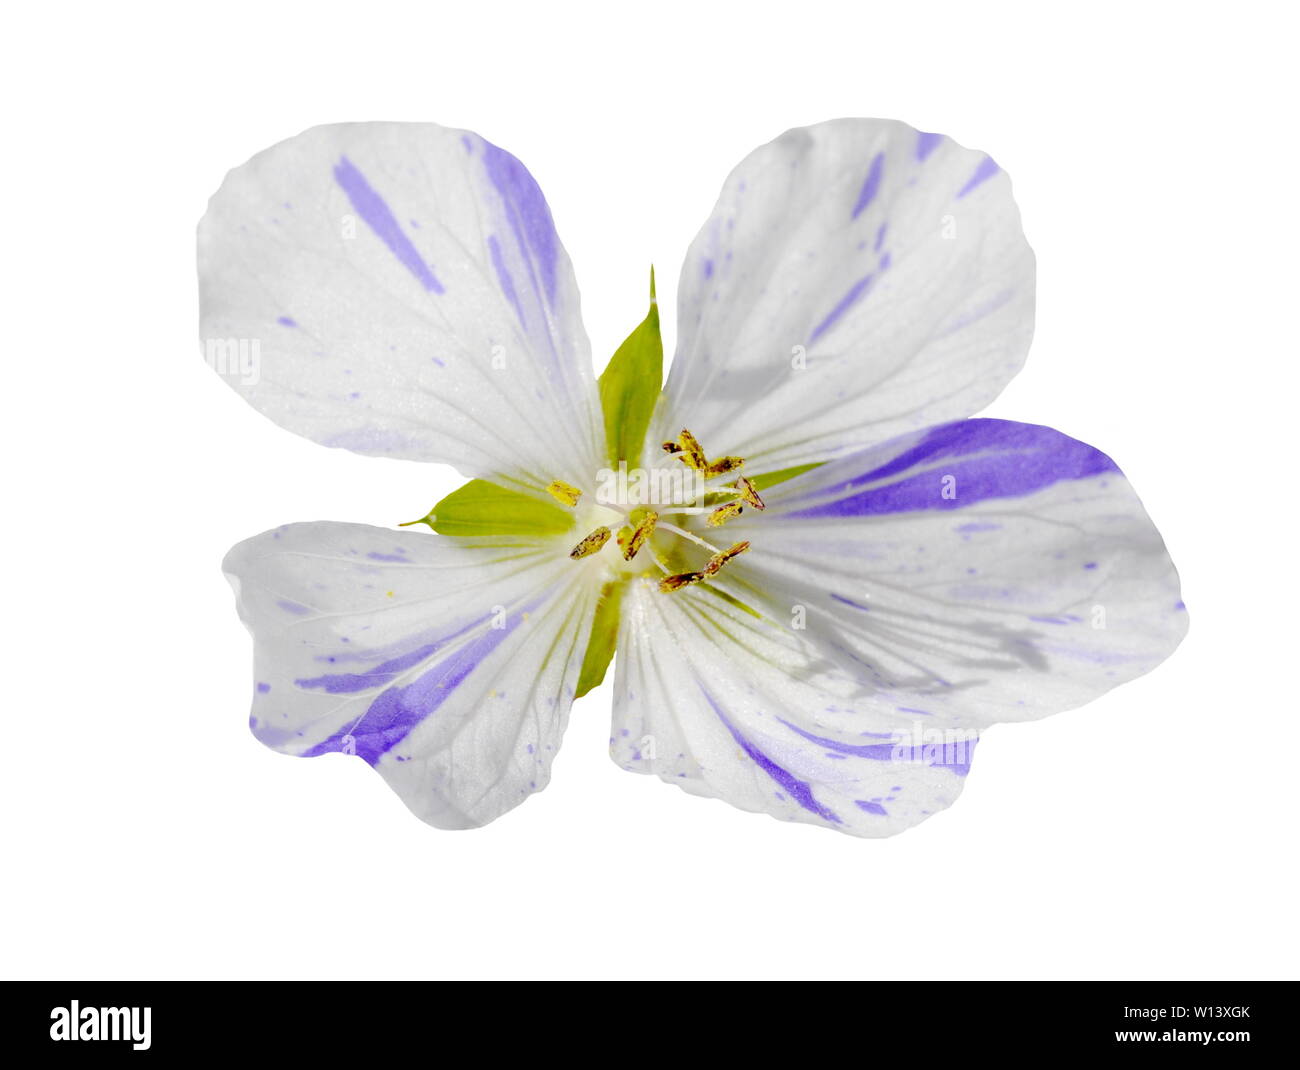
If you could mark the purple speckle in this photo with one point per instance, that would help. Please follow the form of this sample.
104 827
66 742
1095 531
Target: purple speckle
286 321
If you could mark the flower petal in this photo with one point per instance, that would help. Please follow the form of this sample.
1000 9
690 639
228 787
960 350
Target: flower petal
726 705
448 667
858 279
980 571
399 290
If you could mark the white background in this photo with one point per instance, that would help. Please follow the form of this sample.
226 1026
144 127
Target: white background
1150 834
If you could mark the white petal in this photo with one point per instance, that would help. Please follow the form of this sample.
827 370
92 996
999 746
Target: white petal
857 279
448 667
399 290
981 571
727 706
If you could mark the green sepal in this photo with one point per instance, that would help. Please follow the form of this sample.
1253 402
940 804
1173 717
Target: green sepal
604 637
630 385
483 508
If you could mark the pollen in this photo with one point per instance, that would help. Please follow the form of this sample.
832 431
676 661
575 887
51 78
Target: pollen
631 539
564 493
749 493
723 556
722 466
590 544
677 582
691 452
685 579
723 513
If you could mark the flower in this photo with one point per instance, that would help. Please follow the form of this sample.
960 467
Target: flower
822 578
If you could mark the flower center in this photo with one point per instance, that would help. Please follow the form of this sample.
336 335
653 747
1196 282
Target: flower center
634 524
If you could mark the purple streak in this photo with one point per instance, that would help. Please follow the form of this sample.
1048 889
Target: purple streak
395 712
379 676
799 790
871 186
954 756
506 283
855 294
372 208
383 674
527 212
986 170
975 460
926 144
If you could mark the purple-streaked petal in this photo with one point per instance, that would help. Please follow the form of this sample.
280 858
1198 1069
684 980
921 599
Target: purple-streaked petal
399 290
450 668
857 279
730 706
976 572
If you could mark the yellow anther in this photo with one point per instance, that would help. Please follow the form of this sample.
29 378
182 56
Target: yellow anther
749 493
723 556
677 582
564 493
723 513
645 520
671 447
590 544
691 452
722 466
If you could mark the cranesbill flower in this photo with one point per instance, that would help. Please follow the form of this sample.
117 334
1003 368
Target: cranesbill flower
821 578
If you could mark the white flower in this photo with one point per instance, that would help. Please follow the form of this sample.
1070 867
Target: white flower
886 581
